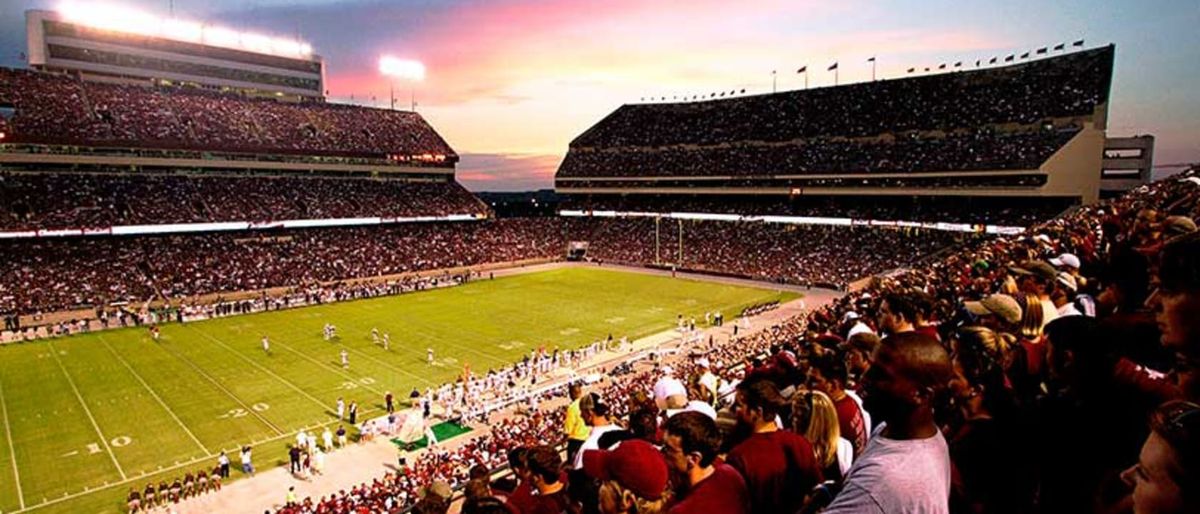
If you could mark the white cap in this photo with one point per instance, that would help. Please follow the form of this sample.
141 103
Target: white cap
667 370
695 406
858 328
1066 259
849 316
1067 281
702 362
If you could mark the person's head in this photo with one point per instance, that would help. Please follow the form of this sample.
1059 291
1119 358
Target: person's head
575 390
758 402
517 461
544 466
1176 300
814 417
478 471
858 349
633 477
1034 277
1075 351
1166 478
594 410
997 311
979 357
898 312
1032 316
911 371
691 441
477 488
827 373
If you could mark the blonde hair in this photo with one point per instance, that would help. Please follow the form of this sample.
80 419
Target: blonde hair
637 504
822 429
1032 318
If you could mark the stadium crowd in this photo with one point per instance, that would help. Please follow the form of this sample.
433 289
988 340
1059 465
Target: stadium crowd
74 200
1054 371
952 209
51 275
979 150
1059 87
62 110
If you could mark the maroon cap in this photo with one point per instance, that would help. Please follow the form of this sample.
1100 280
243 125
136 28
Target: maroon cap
635 465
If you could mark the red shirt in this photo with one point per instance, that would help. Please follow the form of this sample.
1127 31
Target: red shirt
722 492
780 469
851 423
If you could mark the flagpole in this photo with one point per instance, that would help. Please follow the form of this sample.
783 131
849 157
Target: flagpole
774 80
872 69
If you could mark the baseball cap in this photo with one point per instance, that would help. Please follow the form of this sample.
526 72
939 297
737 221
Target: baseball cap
1038 269
703 362
1067 280
1178 225
695 406
1066 259
635 465
1002 305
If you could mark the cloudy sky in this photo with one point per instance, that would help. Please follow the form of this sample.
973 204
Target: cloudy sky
511 82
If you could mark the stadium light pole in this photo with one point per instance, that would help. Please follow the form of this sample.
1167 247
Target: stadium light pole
403 69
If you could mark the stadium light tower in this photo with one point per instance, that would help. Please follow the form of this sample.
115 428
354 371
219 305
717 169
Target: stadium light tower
403 69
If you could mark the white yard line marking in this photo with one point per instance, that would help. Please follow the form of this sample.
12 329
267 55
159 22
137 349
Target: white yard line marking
86 410
264 369
227 392
94 490
152 393
330 368
12 450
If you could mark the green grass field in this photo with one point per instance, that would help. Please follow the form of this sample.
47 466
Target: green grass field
88 416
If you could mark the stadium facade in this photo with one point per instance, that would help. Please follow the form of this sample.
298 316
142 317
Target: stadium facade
178 54
1031 130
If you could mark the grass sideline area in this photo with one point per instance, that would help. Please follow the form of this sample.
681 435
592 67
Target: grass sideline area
87 417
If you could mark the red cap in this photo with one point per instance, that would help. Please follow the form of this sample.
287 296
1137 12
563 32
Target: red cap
635 465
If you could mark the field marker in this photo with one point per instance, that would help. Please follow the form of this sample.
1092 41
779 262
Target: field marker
152 393
12 450
70 496
87 411
259 366
328 367
218 385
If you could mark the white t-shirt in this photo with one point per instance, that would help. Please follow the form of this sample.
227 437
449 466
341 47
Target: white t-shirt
592 442
897 477
668 386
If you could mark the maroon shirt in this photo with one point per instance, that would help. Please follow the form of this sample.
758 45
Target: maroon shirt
851 423
780 469
724 491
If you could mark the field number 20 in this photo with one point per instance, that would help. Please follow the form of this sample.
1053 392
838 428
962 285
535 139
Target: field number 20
237 413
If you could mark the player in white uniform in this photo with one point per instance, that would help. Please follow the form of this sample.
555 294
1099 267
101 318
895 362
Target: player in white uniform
387 341
266 345
375 335
429 356
345 359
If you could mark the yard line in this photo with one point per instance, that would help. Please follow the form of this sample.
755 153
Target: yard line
12 450
152 393
86 410
330 368
181 465
227 392
324 407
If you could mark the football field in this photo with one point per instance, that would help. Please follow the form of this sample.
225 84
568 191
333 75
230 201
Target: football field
85 418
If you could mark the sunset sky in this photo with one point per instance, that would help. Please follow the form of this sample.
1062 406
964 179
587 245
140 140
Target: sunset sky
510 82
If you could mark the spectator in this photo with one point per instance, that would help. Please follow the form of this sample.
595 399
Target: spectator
702 483
1164 480
779 466
815 417
906 465
633 478
827 374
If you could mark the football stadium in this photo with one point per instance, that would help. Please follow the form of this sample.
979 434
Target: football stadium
225 289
